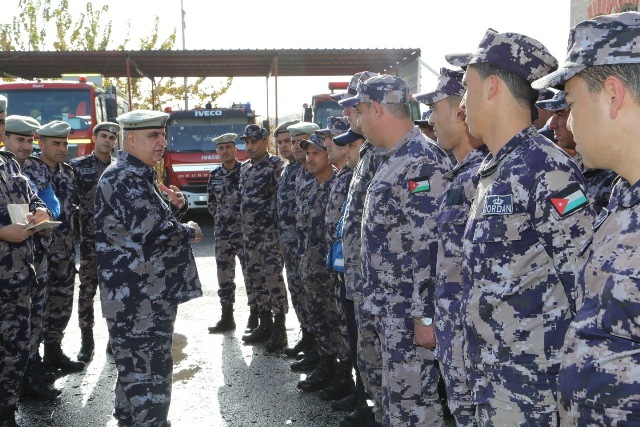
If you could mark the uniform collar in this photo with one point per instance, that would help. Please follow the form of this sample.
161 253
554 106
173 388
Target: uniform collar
491 163
413 134
136 165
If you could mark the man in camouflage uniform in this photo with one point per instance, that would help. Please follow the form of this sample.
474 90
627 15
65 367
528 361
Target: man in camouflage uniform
528 219
598 382
17 275
145 269
87 170
19 136
263 259
448 120
224 206
599 181
399 249
62 252
425 126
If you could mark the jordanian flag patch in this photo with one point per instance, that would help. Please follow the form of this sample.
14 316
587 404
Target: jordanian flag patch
418 185
569 200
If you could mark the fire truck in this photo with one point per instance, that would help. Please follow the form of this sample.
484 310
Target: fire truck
190 155
81 103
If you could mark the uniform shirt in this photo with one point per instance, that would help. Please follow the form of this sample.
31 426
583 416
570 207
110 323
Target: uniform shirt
352 218
258 195
39 178
16 259
63 181
599 184
286 203
337 195
312 227
602 346
399 234
87 171
144 257
224 201
451 220
306 186
526 223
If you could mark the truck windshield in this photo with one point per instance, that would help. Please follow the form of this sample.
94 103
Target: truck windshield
195 135
73 106
324 109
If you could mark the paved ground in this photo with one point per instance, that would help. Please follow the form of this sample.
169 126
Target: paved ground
218 381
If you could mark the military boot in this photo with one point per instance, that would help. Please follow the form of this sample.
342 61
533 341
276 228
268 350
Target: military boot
55 358
278 338
300 345
321 376
8 416
88 345
342 384
309 361
252 323
32 388
349 402
360 415
263 332
45 375
226 322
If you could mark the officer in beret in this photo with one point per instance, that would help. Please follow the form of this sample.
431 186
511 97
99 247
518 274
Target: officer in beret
597 383
527 220
87 170
224 206
263 267
399 249
61 254
448 120
599 181
19 137
17 275
146 268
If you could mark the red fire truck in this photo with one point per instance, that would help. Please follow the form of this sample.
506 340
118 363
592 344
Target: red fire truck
81 103
322 106
190 155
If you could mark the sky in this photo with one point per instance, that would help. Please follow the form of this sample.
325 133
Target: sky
436 27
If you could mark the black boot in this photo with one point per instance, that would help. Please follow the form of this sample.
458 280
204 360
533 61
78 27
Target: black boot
55 358
8 416
226 322
32 388
252 322
342 384
88 345
263 332
350 402
309 361
321 376
45 375
300 345
278 338
360 415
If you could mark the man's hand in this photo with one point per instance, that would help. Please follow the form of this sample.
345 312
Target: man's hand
198 231
15 233
174 194
425 335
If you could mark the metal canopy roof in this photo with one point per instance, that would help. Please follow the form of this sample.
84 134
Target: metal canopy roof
205 63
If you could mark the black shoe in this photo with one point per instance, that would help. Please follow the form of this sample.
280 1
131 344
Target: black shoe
43 373
342 384
226 322
306 364
253 321
300 345
346 403
278 338
55 358
358 418
263 332
321 376
37 391
88 345
8 416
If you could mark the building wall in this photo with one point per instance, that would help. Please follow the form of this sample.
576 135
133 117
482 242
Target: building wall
587 9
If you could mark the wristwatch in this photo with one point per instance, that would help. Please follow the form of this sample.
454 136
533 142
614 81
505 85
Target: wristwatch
424 321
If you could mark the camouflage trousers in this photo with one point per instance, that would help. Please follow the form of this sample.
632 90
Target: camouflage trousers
409 376
88 283
369 355
227 249
343 352
489 415
14 340
263 273
62 272
39 294
294 283
142 352
450 354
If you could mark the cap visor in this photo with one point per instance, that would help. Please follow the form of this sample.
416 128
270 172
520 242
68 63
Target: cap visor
558 78
350 102
347 138
430 98
340 96
552 105
459 59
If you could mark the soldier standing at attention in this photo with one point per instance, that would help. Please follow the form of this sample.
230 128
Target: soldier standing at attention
224 206
529 217
448 121
598 382
399 248
62 252
87 171
263 267
145 269
17 275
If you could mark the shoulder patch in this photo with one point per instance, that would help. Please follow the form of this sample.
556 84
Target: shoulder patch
568 200
498 205
419 184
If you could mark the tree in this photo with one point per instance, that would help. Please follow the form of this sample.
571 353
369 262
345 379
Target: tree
92 30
